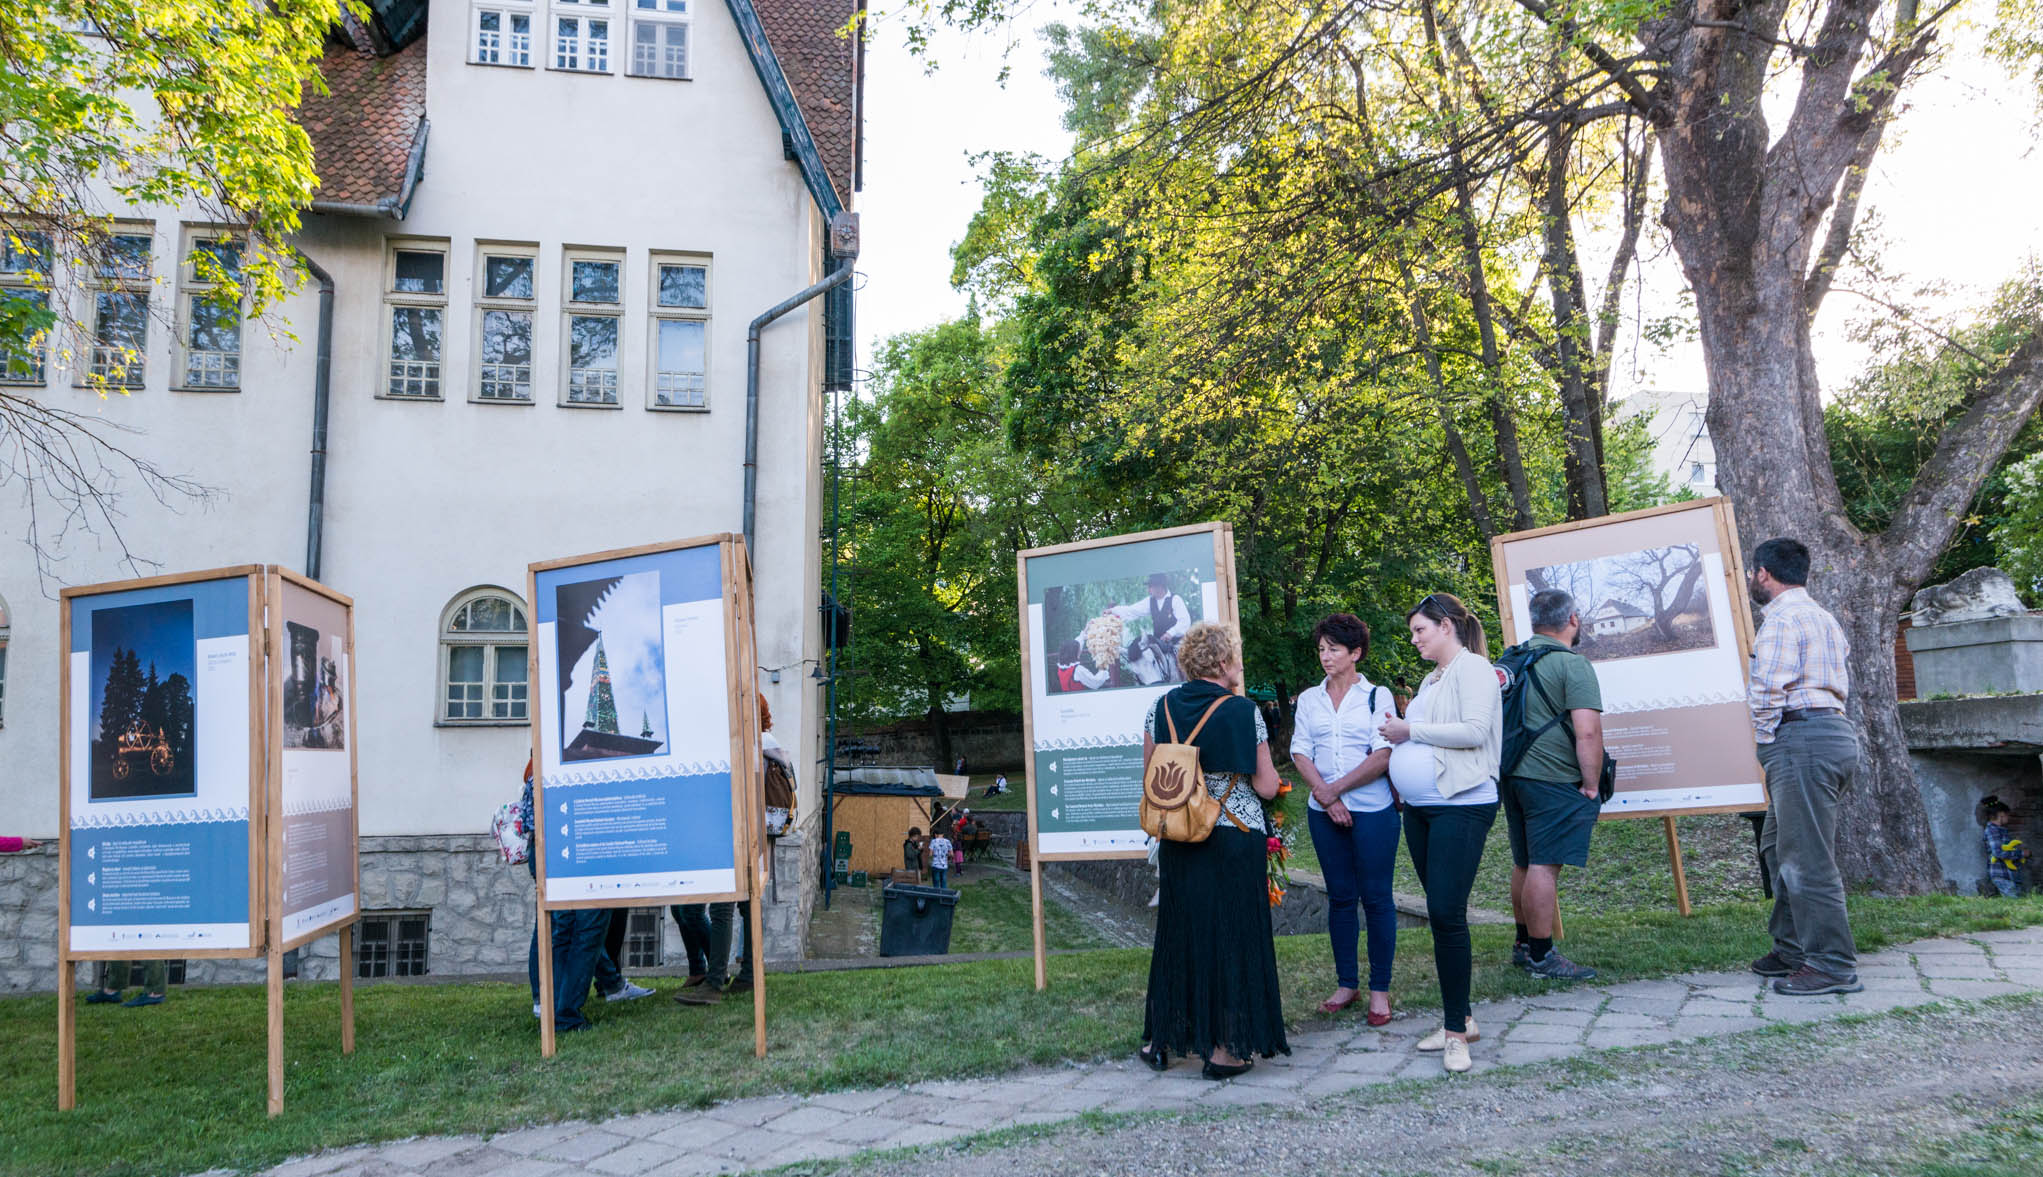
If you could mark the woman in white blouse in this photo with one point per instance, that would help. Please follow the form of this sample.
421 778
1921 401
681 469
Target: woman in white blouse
1354 827
1443 761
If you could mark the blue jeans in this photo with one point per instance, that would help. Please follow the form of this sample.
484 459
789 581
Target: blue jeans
577 946
693 920
1356 861
937 874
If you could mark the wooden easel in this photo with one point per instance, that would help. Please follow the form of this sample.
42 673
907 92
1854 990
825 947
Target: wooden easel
1224 579
265 825
747 802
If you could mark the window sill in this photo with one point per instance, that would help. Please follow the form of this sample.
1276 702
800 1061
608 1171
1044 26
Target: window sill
201 388
593 73
658 77
501 65
458 723
500 400
677 408
590 405
424 400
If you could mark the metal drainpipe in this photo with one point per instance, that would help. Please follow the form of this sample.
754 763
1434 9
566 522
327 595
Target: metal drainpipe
322 383
837 277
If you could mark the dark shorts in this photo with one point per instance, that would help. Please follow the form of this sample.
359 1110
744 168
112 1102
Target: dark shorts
1549 822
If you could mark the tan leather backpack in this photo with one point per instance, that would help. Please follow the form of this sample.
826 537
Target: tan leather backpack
1175 804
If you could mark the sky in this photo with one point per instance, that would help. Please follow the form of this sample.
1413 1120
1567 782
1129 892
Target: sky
1955 192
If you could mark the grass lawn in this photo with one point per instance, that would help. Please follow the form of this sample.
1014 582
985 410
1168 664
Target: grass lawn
1627 869
179 1088
1014 800
992 915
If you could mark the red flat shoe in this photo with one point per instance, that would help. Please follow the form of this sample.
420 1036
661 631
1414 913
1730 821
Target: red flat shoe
1379 1019
1334 1007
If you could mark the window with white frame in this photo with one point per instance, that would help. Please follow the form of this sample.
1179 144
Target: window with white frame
679 332
209 311
122 269
415 307
659 38
500 34
506 297
482 659
25 288
581 35
595 311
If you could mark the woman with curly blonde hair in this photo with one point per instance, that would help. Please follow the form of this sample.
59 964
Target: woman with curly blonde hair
1213 970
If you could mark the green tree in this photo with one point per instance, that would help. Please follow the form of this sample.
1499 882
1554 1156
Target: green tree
112 104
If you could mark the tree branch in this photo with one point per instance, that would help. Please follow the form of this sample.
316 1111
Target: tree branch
1636 94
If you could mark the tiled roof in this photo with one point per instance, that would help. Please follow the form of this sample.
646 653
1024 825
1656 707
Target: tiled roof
363 130
822 69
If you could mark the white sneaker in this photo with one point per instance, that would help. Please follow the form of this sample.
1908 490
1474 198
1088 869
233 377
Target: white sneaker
535 1009
1437 1040
630 992
1455 1057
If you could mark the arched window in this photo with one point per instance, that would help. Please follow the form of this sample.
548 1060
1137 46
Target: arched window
482 659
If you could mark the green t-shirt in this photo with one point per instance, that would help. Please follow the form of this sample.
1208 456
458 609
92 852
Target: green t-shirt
1571 680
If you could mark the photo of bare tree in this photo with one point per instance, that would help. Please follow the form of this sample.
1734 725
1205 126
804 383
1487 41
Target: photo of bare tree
1652 601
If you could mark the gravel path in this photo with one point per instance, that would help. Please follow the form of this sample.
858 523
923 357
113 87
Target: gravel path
1710 1091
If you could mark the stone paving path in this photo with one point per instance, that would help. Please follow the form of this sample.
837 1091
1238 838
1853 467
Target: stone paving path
778 1130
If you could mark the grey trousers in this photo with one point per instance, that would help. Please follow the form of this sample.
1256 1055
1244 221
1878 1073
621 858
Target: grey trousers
1808 764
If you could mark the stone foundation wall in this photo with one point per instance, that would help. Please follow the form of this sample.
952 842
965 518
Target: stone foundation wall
481 912
987 741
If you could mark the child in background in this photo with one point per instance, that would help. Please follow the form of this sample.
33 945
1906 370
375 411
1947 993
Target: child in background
939 860
2005 853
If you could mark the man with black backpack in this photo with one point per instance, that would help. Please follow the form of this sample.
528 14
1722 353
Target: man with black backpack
1553 775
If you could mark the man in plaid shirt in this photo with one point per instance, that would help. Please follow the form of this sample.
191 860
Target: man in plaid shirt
1808 749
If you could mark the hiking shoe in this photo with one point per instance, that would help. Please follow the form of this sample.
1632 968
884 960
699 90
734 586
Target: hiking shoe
1521 956
1438 1039
627 992
1772 965
1808 982
706 995
141 999
1555 967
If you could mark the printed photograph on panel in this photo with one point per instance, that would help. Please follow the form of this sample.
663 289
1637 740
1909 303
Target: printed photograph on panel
613 667
1635 604
313 700
144 662
1112 634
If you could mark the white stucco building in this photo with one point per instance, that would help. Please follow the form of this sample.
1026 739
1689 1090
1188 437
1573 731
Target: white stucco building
547 224
1682 450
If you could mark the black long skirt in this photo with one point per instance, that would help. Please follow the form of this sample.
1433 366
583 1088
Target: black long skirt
1213 972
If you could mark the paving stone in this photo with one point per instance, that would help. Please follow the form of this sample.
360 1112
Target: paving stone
1907 984
1745 979
1366 1064
527 1141
867 1130
1114 1081
867 1100
1714 1027
1330 1085
1071 1102
1959 970
695 1165
698 1131
1651 1006
1496 1011
583 1146
974 1114
647 1125
1513 1054
1973 990
1629 1036
810 1150
316 1164
1557 1017
421 1152
1779 1008
489 1162
1944 947
1051 1076
1651 989
1698 1007
1619 1020
1329 1039
966 1089
2032 935
1567 999
753 1112
1300 1059
1232 1094
1277 1078
1424 1067
1872 1002
749 1148
1887 972
1543 1032
634 1158
917 1135
807 1120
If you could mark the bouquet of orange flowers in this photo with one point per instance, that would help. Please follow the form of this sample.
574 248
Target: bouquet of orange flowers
1276 875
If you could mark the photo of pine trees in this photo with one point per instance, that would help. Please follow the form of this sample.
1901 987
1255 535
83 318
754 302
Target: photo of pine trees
144 660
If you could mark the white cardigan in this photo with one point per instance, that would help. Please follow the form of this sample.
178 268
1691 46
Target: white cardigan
1465 723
